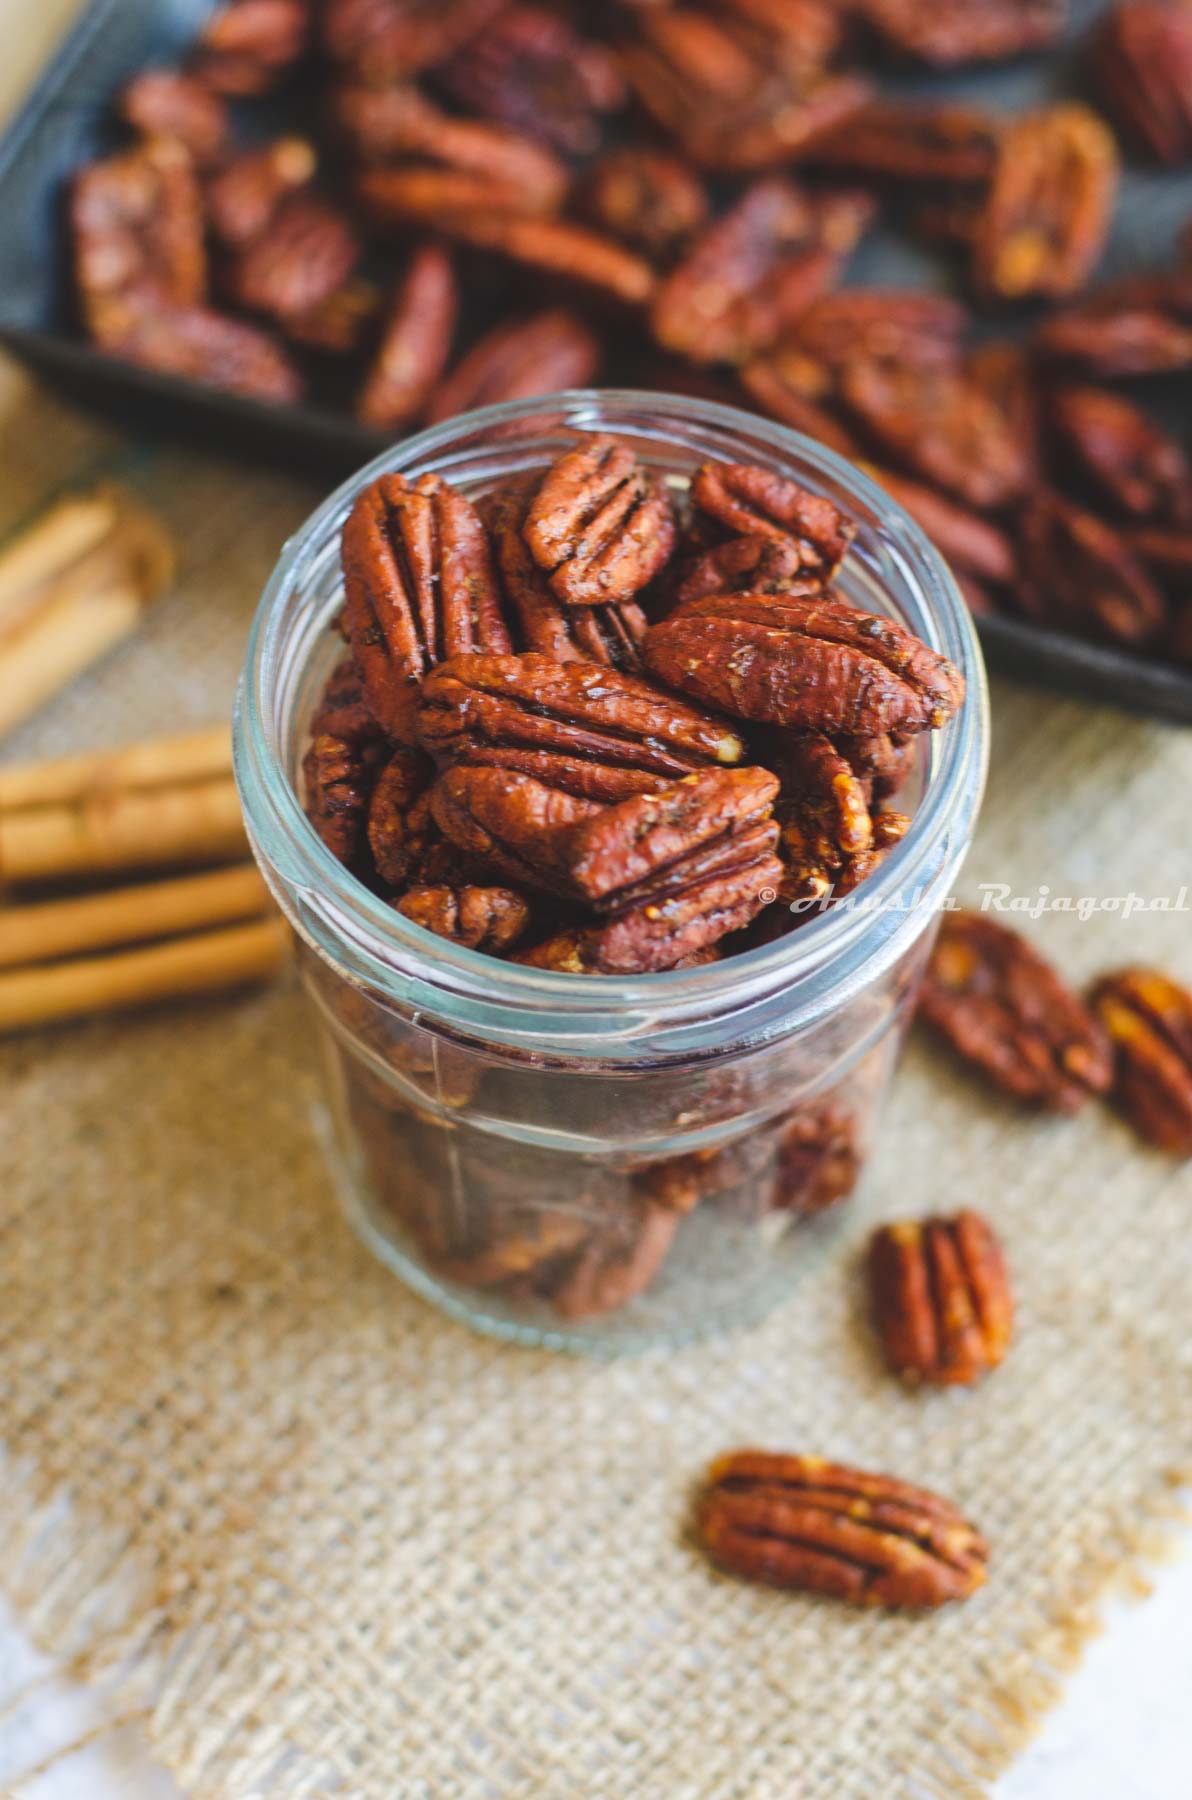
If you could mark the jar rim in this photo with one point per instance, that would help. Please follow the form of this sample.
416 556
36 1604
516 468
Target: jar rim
475 994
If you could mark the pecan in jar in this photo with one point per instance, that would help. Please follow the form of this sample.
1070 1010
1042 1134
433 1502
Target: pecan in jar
419 587
243 196
888 830
1047 214
819 1160
137 225
823 815
801 1522
1076 572
1005 1011
304 254
620 1262
398 827
1141 65
200 344
529 69
489 919
165 103
423 166
1121 454
746 279
598 526
757 563
759 502
1148 1018
645 198
385 40
938 425
924 143
540 354
965 30
338 773
247 46
940 1299
883 764
515 824
812 662
415 342
611 634
968 541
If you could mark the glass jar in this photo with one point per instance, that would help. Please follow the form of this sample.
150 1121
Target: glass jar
604 1162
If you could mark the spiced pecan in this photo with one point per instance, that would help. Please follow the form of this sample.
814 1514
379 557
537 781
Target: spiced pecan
138 236
342 708
940 1298
1045 221
516 824
812 662
965 30
1076 572
1148 1018
760 502
801 1522
419 587
1142 326
779 388
1007 375
202 345
541 354
340 765
529 69
398 828
823 815
967 540
247 46
883 764
878 325
489 919
611 635
819 1160
415 343
165 103
1005 1011
748 276
925 143
645 198
1166 552
383 40
339 321
1141 63
889 829
941 426
617 1264
598 526
245 194
435 165
583 261
1122 454
304 254
755 564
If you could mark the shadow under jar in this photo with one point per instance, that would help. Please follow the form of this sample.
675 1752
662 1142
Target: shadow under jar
604 1162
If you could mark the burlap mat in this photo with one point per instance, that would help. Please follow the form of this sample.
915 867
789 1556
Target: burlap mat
333 1543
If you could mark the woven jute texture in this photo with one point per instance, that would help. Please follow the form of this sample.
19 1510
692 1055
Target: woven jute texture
334 1544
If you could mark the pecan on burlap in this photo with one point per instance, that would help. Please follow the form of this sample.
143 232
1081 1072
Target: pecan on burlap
415 341
611 635
1078 573
540 354
758 501
1141 64
1148 1017
1046 217
598 525
801 1522
939 1294
962 31
137 225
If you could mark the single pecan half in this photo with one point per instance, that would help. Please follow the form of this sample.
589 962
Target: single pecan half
489 919
517 825
941 426
530 69
813 662
939 1294
540 354
1167 553
415 342
598 525
965 30
430 165
304 254
760 502
1141 64
340 766
778 387
819 1160
166 103
967 540
617 1264
382 40
889 829
823 815
883 764
1122 454
611 635
645 198
583 261
246 47
137 225
245 193
202 345
1002 1008
399 829
746 279
1076 572
1046 218
1141 326
879 325
924 143
801 1522
1148 1018
755 564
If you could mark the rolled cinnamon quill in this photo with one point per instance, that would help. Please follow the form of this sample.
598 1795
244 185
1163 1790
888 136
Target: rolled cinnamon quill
197 822
130 915
155 763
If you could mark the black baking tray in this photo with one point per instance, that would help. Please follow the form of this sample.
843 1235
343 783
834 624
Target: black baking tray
66 121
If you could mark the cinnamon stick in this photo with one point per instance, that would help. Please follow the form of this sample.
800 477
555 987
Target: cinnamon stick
48 547
195 822
129 915
158 762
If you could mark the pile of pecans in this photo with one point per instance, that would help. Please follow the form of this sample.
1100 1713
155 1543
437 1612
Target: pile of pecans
680 187
577 729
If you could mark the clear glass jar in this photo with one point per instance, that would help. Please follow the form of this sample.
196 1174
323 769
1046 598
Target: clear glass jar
601 1162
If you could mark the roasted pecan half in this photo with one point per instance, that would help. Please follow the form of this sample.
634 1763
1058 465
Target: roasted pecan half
419 587
1141 63
884 141
779 388
889 829
941 426
747 278
819 1160
435 165
813 662
382 40
596 267
399 829
248 189
489 919
823 815
247 46
1148 1017
801 1522
599 526
541 354
1006 1011
165 103
1045 221
305 254
1142 326
341 763
939 1293
617 1266
202 345
531 70
761 503
611 635
1076 572
754 564
517 825
415 343
965 30
138 236
883 763
1167 553
967 540
645 198
1121 454
877 325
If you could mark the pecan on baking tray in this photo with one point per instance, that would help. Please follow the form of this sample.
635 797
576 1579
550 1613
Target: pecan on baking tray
585 262
801 1522
304 254
1140 326
243 195
1047 214
1077 573
793 393
1122 454
1005 1011
1167 553
531 70
965 30
166 103
419 587
939 1295
954 146
812 662
611 635
137 225
489 919
1141 64
599 527
203 345
645 198
968 541
247 46
760 502
750 274
1148 1018
541 354
415 342
939 425
882 325
384 40
398 827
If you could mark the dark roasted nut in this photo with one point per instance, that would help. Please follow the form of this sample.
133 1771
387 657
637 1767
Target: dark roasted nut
383 40
645 198
342 709
952 145
515 824
531 70
939 426
882 325
419 586
823 815
939 1294
398 829
965 30
617 1265
811 662
247 46
138 236
1148 1017
207 346
889 829
340 766
582 260
819 1160
611 635
759 502
1006 1011
541 354
415 343
755 564
883 764
243 197
747 278
1124 456
305 254
598 526
1007 375
800 1522
1167 553
1141 64
336 323
489 919
1045 221
1078 573
779 389
1142 326
165 103
967 540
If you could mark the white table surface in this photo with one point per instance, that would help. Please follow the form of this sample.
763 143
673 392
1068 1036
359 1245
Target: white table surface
1122 1732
